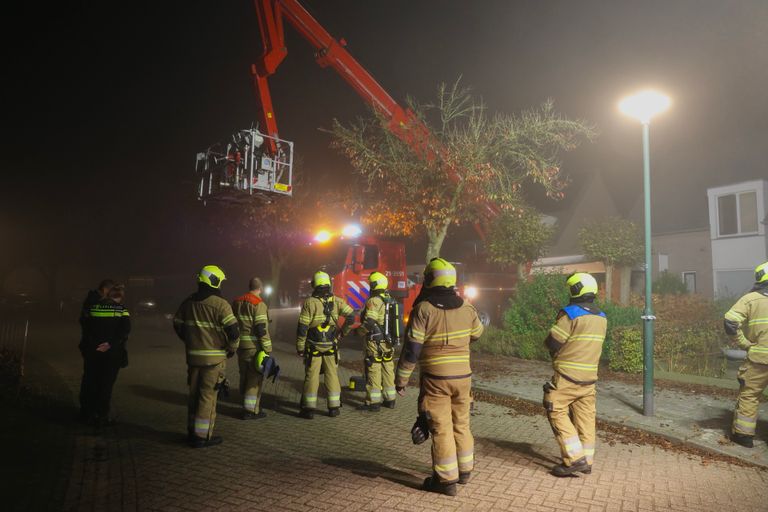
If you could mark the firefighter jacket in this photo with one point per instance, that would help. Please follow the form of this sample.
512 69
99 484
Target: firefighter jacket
106 321
372 320
207 326
576 342
319 320
747 324
253 319
438 335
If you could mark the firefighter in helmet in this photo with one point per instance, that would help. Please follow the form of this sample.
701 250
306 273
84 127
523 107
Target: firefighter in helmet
379 349
575 343
440 329
747 324
253 320
317 339
208 328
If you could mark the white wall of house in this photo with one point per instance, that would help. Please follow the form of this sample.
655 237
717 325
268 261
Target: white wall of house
737 225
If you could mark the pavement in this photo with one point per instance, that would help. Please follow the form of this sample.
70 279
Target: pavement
358 461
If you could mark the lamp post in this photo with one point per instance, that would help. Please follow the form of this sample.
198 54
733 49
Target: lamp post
643 106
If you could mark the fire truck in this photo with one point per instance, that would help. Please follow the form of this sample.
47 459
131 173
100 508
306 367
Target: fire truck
256 161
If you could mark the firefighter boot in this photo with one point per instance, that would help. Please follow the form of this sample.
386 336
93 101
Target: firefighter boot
248 415
389 404
464 477
433 484
579 465
199 442
742 439
306 413
333 412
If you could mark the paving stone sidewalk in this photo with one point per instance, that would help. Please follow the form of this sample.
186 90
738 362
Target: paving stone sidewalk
359 461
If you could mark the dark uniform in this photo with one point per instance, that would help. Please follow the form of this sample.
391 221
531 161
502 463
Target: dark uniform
106 329
208 327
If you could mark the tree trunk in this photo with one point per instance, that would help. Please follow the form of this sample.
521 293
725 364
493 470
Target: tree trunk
608 282
626 278
435 239
276 266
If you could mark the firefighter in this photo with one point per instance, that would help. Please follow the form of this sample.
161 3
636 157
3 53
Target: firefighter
208 327
379 350
253 321
317 339
575 342
106 330
747 324
441 327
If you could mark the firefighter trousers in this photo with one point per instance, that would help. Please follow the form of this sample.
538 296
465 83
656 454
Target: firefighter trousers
447 401
571 413
250 380
203 394
380 377
753 379
329 366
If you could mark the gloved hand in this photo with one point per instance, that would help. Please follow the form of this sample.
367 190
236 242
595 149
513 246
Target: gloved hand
300 353
420 429
400 390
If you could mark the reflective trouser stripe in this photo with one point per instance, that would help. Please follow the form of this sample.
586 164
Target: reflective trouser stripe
390 394
202 425
744 424
334 400
589 452
573 447
310 401
447 469
250 401
466 460
204 352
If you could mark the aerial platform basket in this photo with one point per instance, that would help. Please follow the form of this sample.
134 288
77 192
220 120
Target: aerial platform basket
248 164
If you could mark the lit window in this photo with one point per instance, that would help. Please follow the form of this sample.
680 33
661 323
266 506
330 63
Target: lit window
737 213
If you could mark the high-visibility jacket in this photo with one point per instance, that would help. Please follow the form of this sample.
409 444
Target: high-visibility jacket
106 321
576 342
320 327
747 323
253 320
208 327
438 339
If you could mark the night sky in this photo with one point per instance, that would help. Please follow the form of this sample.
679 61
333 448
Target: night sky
106 104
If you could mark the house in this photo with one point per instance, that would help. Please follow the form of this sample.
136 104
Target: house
737 230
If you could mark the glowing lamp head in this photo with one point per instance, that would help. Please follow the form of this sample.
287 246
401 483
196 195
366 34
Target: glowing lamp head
267 291
470 292
351 231
644 105
322 236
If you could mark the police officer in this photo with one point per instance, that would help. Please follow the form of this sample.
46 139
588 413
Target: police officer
317 338
208 327
747 324
379 352
253 321
106 330
575 343
440 329
93 297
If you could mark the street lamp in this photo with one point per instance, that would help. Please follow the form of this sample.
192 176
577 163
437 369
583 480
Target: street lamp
643 106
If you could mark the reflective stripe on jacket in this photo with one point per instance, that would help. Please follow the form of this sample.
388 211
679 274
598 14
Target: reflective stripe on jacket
581 334
750 317
312 315
253 319
202 324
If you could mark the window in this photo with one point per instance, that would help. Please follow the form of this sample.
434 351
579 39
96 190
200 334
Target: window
689 278
737 213
371 258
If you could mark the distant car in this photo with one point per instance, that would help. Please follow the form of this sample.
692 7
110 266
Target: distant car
146 305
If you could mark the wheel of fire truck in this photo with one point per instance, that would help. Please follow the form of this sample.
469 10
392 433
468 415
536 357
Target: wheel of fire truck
249 164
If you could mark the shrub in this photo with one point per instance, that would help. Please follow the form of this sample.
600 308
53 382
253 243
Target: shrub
669 284
531 346
533 308
626 350
495 341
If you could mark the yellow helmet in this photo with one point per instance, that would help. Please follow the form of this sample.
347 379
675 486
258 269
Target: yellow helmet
439 272
321 279
761 273
580 284
211 275
378 281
